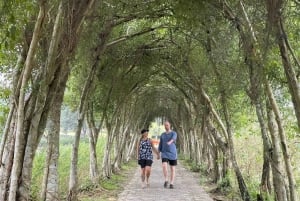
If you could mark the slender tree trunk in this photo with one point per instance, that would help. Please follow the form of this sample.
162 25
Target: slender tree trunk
41 108
215 161
280 190
6 131
192 141
223 92
94 173
198 147
32 116
204 131
255 72
20 138
121 148
283 141
185 144
93 133
295 92
72 195
265 178
13 99
242 185
276 20
73 182
120 152
106 164
7 161
132 144
189 145
289 71
212 141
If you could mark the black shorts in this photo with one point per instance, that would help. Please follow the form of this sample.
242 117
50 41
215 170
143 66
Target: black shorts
143 163
171 162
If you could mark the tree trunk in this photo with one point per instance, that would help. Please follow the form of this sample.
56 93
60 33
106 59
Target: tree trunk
6 131
276 20
295 93
283 142
73 182
44 100
192 144
50 190
93 133
106 164
253 61
94 173
223 92
14 98
7 162
50 184
132 144
185 144
215 161
265 178
121 147
280 190
242 185
20 138
198 147
32 115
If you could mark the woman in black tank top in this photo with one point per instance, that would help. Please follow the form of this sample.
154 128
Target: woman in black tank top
145 147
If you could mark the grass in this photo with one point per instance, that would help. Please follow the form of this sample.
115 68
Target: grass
107 190
64 165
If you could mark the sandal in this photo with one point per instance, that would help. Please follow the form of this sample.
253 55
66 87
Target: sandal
166 184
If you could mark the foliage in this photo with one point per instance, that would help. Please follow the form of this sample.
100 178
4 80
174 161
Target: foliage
4 109
64 165
68 120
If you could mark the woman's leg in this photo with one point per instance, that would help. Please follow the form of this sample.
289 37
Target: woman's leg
143 176
147 173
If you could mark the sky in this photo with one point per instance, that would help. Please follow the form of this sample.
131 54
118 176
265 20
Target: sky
4 82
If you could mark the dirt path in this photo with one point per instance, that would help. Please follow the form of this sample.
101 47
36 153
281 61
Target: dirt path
186 187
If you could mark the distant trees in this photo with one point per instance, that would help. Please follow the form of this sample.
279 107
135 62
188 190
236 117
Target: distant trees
68 120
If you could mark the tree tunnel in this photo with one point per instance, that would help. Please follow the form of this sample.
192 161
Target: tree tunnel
222 72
